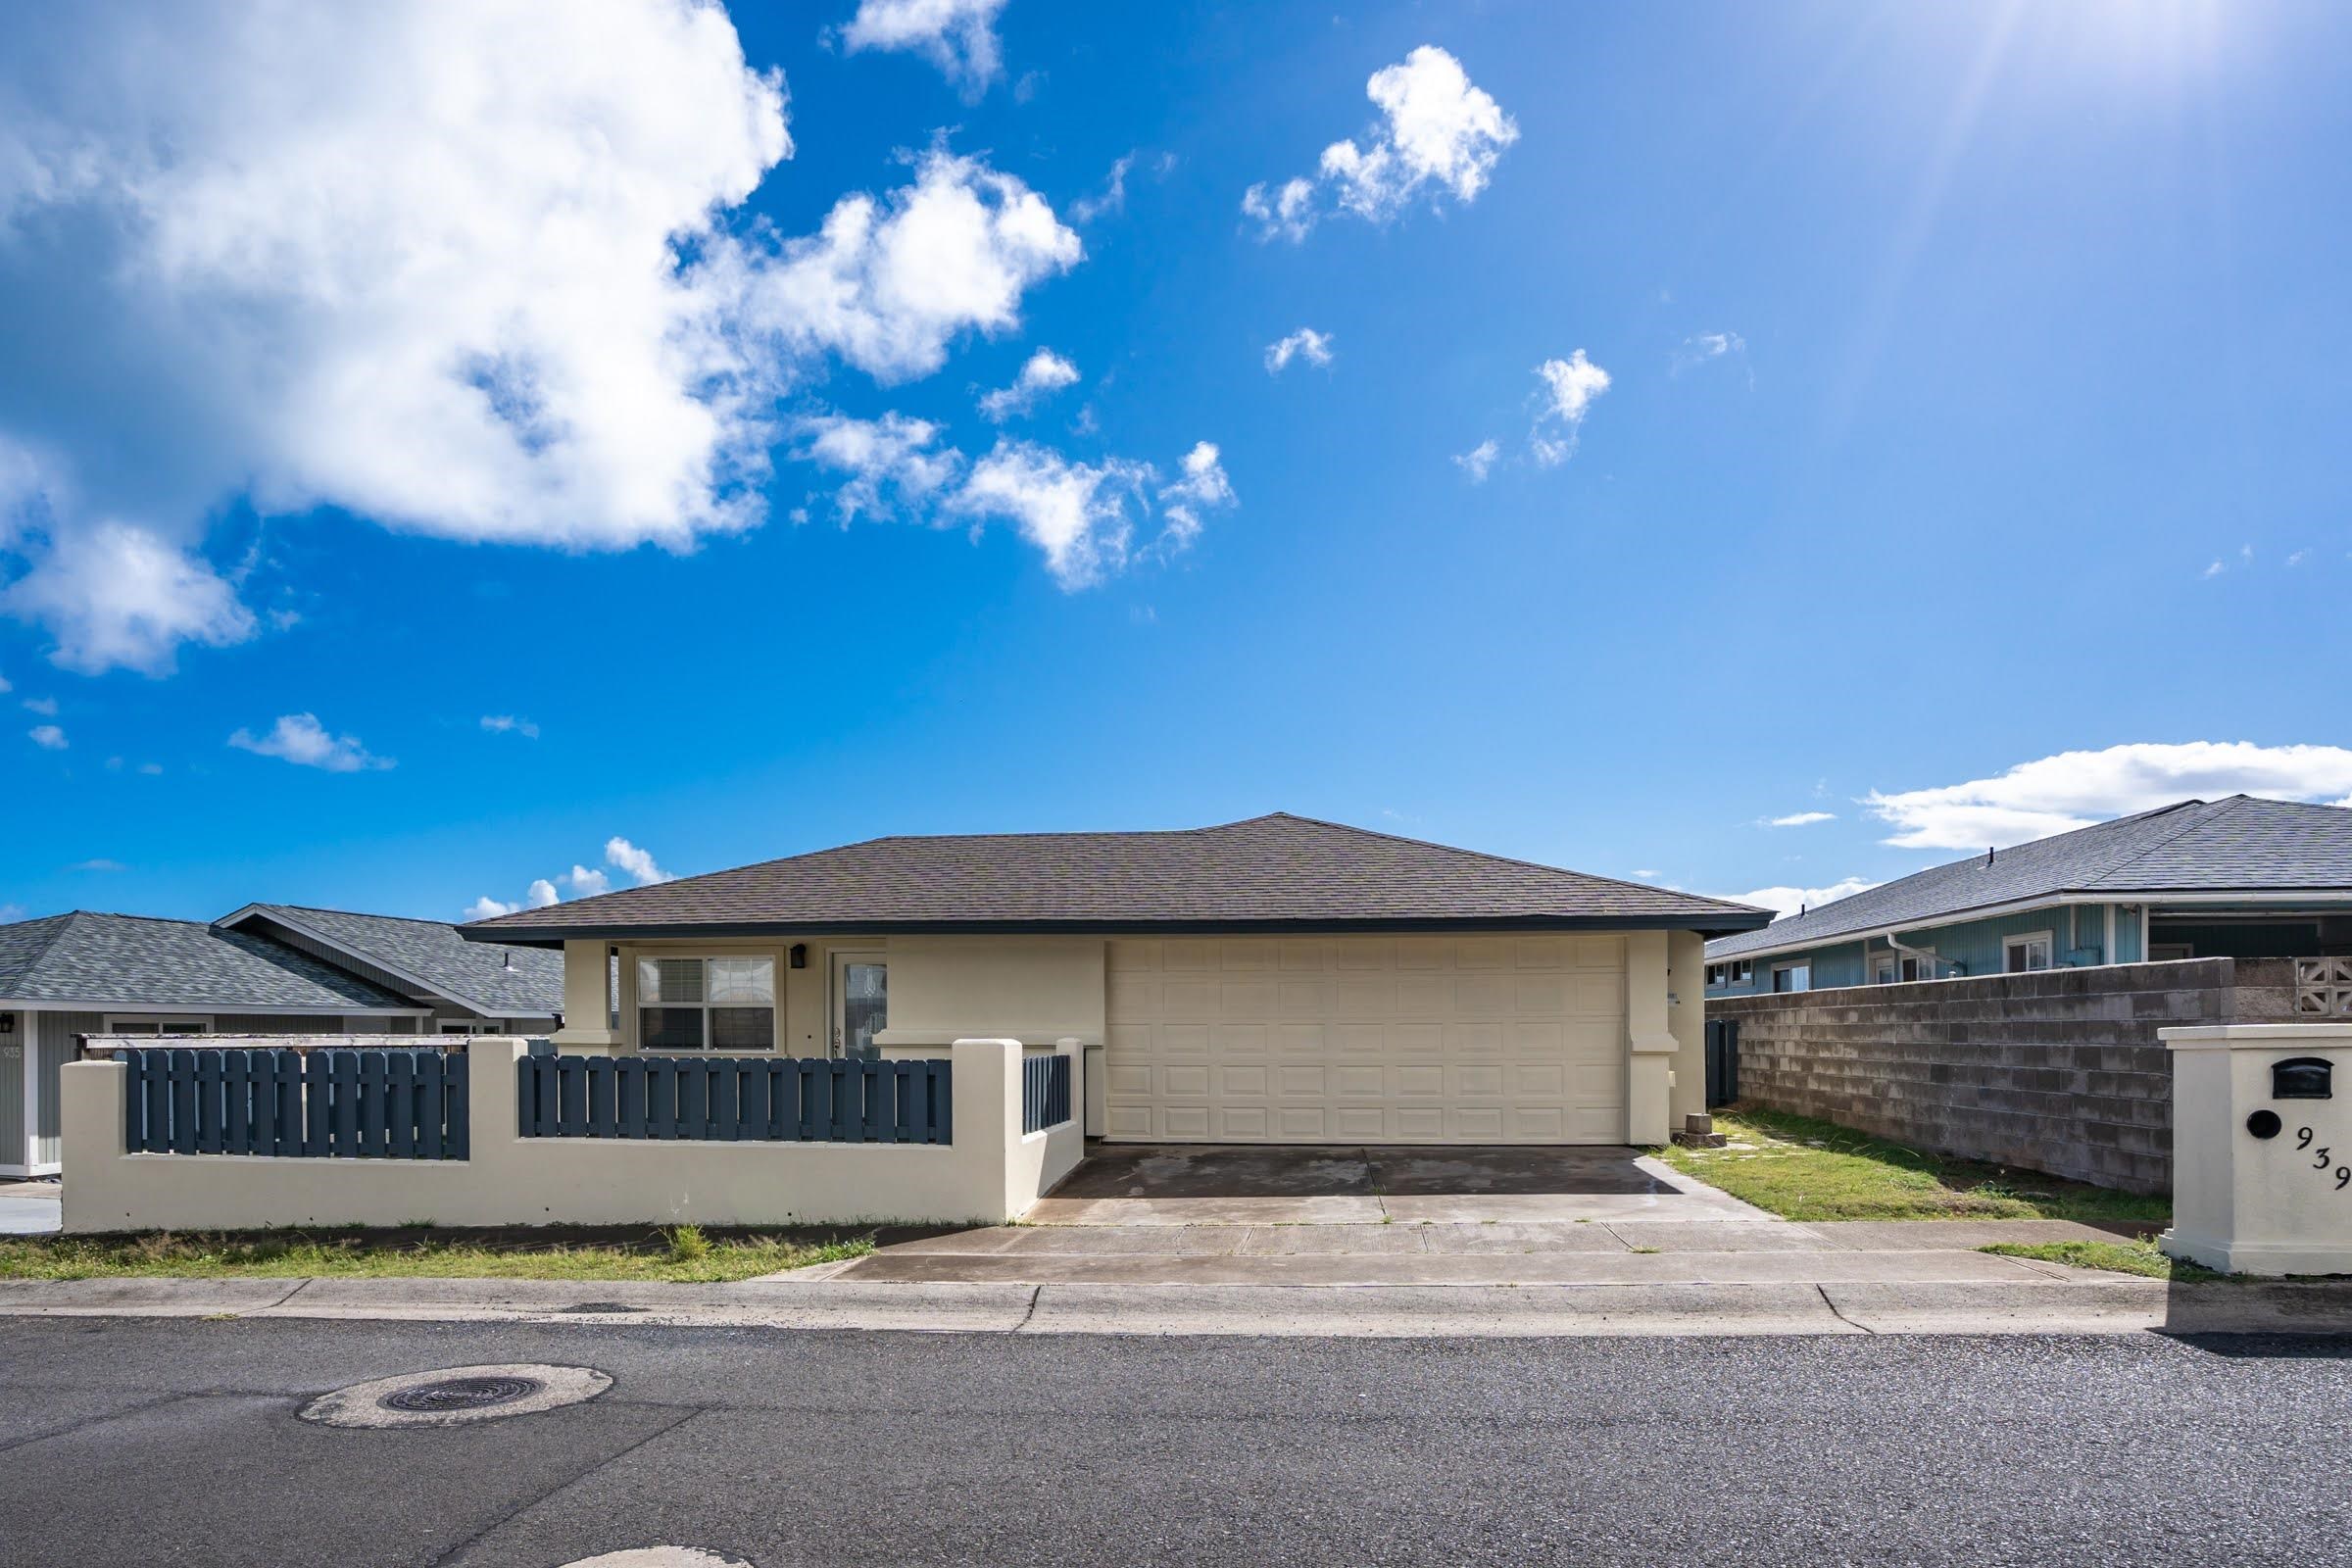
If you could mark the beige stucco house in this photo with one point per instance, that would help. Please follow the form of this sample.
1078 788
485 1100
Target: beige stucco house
1276 980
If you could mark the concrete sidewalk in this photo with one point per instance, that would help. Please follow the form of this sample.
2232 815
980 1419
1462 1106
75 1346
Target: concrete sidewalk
1961 1300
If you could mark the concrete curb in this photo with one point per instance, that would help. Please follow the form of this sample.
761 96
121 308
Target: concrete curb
2087 1305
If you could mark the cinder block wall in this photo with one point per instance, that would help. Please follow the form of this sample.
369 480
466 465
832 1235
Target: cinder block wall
2059 1071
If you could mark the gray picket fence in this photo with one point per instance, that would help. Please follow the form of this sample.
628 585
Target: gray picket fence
320 1104
1045 1092
735 1099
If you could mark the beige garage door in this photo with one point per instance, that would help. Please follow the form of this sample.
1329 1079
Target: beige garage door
1404 1040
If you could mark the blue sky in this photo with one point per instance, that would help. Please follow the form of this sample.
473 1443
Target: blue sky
1947 442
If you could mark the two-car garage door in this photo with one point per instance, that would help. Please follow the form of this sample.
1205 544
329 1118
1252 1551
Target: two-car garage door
1509 1039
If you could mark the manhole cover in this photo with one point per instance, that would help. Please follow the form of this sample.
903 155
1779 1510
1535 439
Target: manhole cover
459 1394
453 1395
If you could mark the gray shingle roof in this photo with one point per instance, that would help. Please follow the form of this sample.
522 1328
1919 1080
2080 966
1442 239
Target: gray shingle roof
2195 847
495 980
131 961
1277 871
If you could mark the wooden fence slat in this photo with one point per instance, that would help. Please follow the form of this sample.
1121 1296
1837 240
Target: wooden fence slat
629 1098
236 1101
751 1100
660 1096
599 1097
400 1103
571 1096
457 1095
183 1102
370 1118
432 1072
345 1074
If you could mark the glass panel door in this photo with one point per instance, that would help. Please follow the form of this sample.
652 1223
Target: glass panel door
861 1003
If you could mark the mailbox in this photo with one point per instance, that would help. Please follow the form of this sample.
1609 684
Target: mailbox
2261 1154
2302 1078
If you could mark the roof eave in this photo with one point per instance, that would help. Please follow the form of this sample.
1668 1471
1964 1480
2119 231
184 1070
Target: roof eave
2061 897
1708 923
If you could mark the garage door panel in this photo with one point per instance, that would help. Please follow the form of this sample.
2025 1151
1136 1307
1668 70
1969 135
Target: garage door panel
1501 1039
1182 1040
1301 1038
1184 1082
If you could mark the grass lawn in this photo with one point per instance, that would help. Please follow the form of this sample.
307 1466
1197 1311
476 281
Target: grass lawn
681 1252
1806 1169
2118 1257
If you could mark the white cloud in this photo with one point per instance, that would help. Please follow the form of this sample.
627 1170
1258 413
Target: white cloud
585 882
48 737
639 863
541 893
2297 558
1569 387
1438 133
4 685
1289 213
543 316
406 260
1202 484
1076 513
1086 208
2075 789
46 706
115 596
1479 460
300 739
959 36
891 463
2215 569
1306 343
510 725
889 283
1802 820
101 866
1709 346
487 908
1042 374
1786 901
11 911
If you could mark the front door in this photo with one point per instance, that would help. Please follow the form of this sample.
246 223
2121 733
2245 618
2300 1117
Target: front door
861 1003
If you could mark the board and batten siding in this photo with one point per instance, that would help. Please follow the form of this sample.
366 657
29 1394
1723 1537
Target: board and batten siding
54 1038
15 1046
1975 945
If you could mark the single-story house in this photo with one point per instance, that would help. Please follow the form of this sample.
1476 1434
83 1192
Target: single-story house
266 969
2235 878
1274 980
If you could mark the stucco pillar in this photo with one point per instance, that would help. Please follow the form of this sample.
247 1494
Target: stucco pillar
89 1126
1687 1021
1650 1042
587 999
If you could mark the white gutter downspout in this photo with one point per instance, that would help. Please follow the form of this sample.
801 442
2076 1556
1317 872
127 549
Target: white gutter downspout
1923 955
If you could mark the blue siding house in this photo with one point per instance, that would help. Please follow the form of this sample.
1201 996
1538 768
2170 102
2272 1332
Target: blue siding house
2239 879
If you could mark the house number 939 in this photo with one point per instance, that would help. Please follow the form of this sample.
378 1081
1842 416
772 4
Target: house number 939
2322 1158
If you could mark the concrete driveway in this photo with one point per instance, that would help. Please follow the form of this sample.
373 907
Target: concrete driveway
1210 1214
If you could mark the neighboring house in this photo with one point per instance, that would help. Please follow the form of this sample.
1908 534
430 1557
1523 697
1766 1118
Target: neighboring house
1275 980
2237 878
265 970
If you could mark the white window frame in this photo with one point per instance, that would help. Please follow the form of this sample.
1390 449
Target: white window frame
775 1003
1744 972
2025 939
166 1023
465 1026
1780 969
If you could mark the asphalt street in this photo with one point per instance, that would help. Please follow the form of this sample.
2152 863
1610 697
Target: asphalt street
130 1441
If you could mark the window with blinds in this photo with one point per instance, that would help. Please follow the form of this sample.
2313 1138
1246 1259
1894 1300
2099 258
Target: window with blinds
707 1003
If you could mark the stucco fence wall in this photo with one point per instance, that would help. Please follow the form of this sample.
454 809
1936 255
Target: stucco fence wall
2058 1071
992 1172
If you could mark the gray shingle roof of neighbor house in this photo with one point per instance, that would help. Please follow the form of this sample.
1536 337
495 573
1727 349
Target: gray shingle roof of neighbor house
495 981
2236 845
1266 873
136 961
